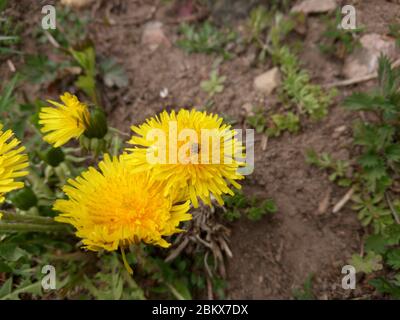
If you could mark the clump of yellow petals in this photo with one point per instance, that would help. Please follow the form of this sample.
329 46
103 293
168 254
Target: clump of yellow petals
12 163
65 121
113 207
196 178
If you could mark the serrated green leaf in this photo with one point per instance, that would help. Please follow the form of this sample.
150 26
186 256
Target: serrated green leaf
373 137
367 264
205 38
392 152
363 101
384 286
113 74
393 234
375 173
377 243
282 122
387 77
371 160
393 258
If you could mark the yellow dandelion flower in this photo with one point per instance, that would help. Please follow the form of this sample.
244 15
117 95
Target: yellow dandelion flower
114 207
64 121
12 163
191 141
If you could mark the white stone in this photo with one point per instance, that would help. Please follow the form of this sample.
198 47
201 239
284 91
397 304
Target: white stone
248 108
364 60
76 3
153 35
268 81
315 6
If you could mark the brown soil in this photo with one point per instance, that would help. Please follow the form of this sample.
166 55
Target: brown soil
275 255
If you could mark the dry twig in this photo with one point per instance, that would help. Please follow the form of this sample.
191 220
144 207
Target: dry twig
356 80
343 201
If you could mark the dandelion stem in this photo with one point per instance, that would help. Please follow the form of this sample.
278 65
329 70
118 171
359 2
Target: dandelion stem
31 227
12 216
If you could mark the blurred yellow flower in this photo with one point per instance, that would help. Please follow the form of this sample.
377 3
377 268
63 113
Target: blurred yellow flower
114 207
64 121
12 163
195 152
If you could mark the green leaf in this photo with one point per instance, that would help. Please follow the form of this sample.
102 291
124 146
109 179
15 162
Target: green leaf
88 85
113 74
26 287
40 69
232 214
377 243
3 4
393 152
11 252
387 77
259 20
308 97
86 58
371 160
255 213
205 39
373 137
374 175
6 288
282 122
367 264
372 211
307 292
312 157
393 258
7 99
111 286
237 201
363 101
392 234
4 267
385 286
269 205
180 290
214 85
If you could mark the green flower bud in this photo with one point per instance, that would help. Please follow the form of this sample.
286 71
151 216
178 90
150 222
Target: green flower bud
23 199
47 211
97 126
54 156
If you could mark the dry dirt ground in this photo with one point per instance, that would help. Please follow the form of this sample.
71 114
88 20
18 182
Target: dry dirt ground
275 255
